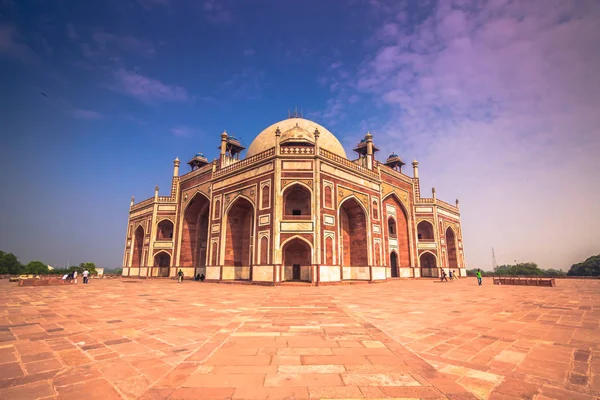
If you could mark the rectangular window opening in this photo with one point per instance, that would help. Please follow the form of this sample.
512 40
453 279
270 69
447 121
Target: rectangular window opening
296 212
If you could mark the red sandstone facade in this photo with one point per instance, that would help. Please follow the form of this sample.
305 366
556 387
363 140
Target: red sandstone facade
295 209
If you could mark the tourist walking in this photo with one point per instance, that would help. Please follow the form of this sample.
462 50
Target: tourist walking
85 275
180 276
479 276
451 275
444 277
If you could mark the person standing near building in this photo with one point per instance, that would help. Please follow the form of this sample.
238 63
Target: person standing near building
85 275
479 276
180 276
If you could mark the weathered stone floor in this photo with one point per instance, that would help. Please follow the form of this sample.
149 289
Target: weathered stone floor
157 339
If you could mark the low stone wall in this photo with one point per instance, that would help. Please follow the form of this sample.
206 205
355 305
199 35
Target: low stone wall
525 281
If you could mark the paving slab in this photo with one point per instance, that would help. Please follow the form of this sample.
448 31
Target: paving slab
156 339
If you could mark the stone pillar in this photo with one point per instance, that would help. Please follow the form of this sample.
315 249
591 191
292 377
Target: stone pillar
131 203
415 165
433 193
276 210
457 205
156 193
223 148
176 167
317 205
277 138
369 139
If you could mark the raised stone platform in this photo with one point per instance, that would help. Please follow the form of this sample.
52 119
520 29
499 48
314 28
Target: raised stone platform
158 339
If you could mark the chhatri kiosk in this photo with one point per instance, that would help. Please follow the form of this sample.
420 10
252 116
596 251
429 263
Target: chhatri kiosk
296 208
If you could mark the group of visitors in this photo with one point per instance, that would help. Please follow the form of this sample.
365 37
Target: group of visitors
198 277
453 276
451 273
72 276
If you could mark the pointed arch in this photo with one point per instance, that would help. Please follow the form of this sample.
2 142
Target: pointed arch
239 232
429 264
402 232
297 258
353 232
452 248
194 231
138 245
394 264
425 231
164 229
297 200
328 196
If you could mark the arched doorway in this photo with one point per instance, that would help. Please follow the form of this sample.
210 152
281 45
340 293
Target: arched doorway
165 230
398 230
194 235
451 246
297 260
138 245
162 262
425 231
428 265
238 237
297 202
394 264
353 234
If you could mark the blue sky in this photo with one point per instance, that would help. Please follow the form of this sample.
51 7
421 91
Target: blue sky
496 99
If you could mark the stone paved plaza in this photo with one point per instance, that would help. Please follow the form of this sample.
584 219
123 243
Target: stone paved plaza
156 339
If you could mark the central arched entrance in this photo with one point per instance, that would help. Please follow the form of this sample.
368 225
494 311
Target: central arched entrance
239 238
297 260
353 239
138 245
162 261
195 233
428 265
394 264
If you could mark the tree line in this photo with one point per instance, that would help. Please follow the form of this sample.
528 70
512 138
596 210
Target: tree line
10 265
589 267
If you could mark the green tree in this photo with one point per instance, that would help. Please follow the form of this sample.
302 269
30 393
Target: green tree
554 272
90 266
9 264
36 268
527 269
590 267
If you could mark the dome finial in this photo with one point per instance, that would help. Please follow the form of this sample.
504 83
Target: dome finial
295 113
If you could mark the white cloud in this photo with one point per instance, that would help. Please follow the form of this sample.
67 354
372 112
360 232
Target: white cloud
499 102
148 90
86 114
182 131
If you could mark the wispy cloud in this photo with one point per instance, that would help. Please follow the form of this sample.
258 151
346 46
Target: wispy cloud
247 83
146 89
217 12
72 32
182 131
12 45
86 114
153 3
107 41
490 96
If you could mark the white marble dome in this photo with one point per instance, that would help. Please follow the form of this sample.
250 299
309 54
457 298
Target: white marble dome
298 129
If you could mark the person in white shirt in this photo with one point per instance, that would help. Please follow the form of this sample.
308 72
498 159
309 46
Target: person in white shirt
74 276
86 274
